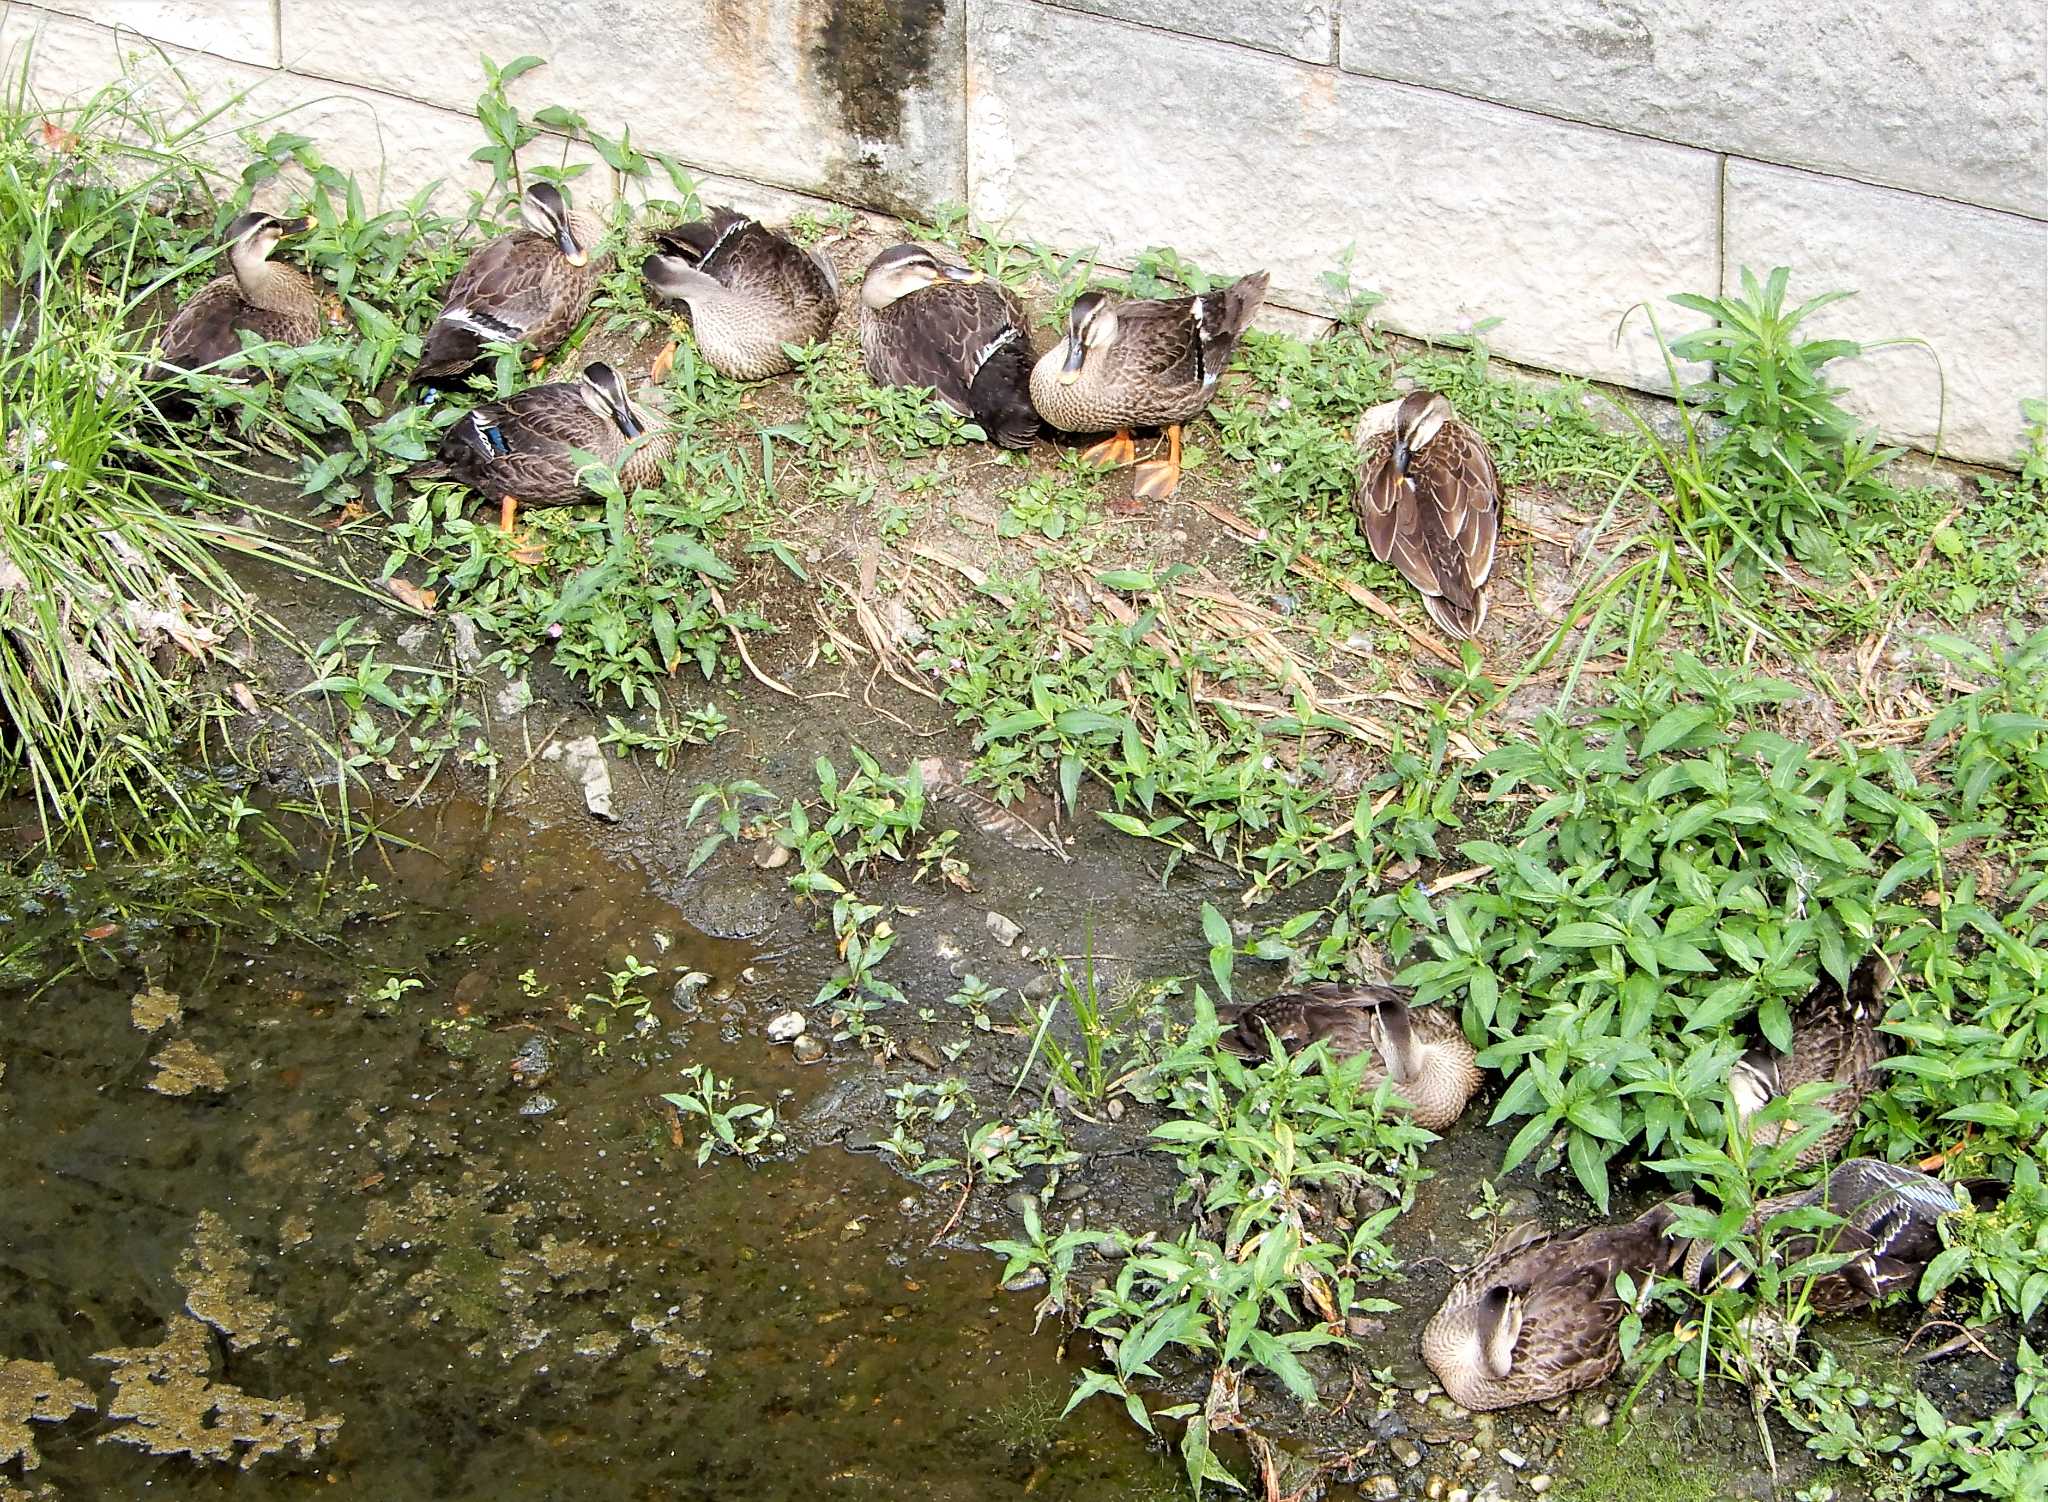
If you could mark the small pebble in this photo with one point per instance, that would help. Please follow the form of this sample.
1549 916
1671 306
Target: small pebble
1599 1415
786 1027
1041 986
771 856
537 1105
808 1049
945 947
1006 932
1407 1452
1459 1494
1514 1458
1382 1489
1540 1483
1116 1110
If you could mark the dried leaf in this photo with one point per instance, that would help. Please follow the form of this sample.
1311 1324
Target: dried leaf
244 696
408 593
57 138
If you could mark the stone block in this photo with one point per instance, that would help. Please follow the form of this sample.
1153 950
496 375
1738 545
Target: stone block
244 31
1458 210
1946 97
395 146
1288 27
856 100
1972 282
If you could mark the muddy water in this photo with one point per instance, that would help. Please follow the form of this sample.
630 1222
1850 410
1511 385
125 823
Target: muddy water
380 1231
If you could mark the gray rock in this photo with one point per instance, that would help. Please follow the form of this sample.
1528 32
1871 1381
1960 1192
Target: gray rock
537 1105
1004 929
785 1027
583 759
1407 1452
808 1050
1824 85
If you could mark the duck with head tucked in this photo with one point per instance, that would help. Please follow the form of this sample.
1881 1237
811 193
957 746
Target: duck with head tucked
1539 1315
749 290
531 287
523 450
1421 1049
1835 1038
1889 1227
927 322
1429 500
1142 363
255 295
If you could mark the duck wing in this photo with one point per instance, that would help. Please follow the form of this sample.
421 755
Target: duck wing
501 295
206 328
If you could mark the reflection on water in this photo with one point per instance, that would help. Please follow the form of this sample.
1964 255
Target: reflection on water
373 1217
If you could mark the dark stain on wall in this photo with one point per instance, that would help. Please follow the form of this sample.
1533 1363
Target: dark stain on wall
871 53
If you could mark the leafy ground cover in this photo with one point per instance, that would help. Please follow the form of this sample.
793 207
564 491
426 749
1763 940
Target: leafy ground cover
1756 699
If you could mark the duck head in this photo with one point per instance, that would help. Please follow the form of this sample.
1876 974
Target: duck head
604 392
253 236
545 211
1417 421
903 269
1091 325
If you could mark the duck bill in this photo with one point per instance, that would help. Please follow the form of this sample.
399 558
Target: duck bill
573 253
1402 454
627 419
294 226
1070 369
966 276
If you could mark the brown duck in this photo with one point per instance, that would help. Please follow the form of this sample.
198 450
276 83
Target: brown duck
256 295
1421 1049
1429 499
926 322
531 287
522 450
1150 363
1890 1221
1538 1316
1834 1037
749 290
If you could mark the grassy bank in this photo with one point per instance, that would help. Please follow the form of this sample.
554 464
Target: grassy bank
1758 698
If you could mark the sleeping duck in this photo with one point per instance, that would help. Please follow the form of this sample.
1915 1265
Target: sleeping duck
1835 1037
531 287
522 450
1539 1315
1128 363
267 298
749 290
1421 1049
1890 1218
1429 499
926 322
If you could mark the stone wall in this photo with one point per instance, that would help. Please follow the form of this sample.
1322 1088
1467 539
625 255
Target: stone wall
1550 166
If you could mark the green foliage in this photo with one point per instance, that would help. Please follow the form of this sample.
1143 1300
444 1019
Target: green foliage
2000 756
1679 875
1791 464
740 1128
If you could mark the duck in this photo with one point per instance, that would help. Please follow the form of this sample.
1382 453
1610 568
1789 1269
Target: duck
1429 499
521 450
1421 1049
1538 1316
1890 1218
531 287
750 291
1835 1038
1153 363
928 322
270 299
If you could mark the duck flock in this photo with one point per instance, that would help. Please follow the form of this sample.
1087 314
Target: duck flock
1540 1314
